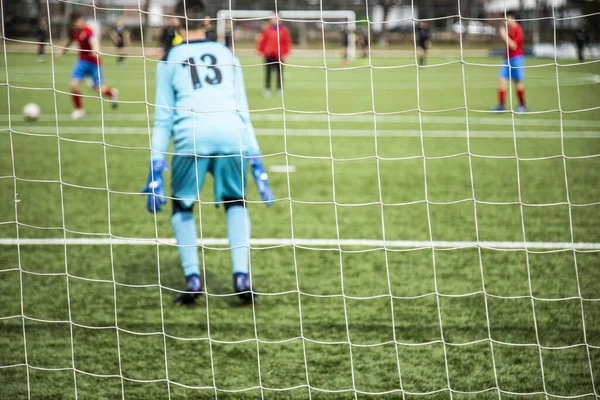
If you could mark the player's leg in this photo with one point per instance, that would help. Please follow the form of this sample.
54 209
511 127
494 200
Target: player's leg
365 47
521 95
97 74
344 48
79 111
268 67
420 55
230 187
121 52
41 56
502 84
278 65
187 178
580 49
518 76
77 75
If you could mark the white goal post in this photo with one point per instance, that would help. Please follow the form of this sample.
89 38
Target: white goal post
294 15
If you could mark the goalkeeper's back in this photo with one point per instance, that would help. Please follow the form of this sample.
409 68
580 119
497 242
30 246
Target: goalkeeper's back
201 101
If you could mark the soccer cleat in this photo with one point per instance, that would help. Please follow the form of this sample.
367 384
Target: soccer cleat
193 289
241 286
41 58
521 109
115 97
499 107
78 113
266 93
278 93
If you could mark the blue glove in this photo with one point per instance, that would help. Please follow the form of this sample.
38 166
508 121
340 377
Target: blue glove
155 187
261 178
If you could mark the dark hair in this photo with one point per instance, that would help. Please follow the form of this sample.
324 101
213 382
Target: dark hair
75 16
511 14
193 11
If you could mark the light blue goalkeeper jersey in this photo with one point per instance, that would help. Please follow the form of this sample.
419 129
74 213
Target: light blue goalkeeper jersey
201 102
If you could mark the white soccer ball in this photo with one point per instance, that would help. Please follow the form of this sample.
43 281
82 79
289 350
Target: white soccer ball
31 112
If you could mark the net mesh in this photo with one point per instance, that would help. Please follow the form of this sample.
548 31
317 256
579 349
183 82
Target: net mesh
419 245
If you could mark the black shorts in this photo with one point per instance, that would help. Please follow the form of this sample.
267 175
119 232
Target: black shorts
422 45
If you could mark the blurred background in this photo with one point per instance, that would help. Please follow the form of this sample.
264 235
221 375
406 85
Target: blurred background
388 24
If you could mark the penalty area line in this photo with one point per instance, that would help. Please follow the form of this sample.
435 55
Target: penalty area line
401 133
306 242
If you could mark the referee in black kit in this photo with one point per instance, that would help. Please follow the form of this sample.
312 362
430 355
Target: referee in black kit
582 39
423 41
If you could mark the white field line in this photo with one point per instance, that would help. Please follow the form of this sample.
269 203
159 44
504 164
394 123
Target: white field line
306 242
405 82
311 117
594 134
36 83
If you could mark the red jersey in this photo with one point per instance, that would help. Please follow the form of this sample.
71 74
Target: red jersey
269 46
515 33
83 37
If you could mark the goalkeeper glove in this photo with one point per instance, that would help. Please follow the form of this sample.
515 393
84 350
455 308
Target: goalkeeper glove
155 187
261 178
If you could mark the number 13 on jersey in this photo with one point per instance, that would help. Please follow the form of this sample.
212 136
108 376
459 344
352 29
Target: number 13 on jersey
213 75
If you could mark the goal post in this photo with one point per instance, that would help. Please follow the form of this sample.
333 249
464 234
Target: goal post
324 16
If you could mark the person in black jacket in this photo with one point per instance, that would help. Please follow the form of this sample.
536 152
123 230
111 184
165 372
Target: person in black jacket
42 37
209 30
345 41
170 35
120 37
581 40
423 41
228 34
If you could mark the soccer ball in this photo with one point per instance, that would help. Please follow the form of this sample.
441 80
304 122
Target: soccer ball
31 112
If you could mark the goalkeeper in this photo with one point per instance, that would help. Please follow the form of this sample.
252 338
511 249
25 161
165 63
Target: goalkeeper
201 103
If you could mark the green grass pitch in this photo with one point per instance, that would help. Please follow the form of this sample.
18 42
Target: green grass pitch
333 322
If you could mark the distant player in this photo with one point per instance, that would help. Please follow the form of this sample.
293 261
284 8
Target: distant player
363 42
88 65
170 35
513 67
217 137
274 45
120 37
582 39
423 41
42 37
228 35
209 30
345 40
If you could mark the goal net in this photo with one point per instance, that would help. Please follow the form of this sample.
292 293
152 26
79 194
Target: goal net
423 243
340 22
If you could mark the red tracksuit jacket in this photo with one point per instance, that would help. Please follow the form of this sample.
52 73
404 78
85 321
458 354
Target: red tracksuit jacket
268 46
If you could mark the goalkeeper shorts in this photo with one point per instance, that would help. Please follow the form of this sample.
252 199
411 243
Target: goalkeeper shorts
188 174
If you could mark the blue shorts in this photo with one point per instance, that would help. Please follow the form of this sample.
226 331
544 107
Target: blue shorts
85 68
513 69
188 174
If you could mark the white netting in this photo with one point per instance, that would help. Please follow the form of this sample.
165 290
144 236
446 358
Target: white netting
505 326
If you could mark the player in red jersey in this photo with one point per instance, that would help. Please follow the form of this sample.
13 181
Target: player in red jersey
88 64
513 67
